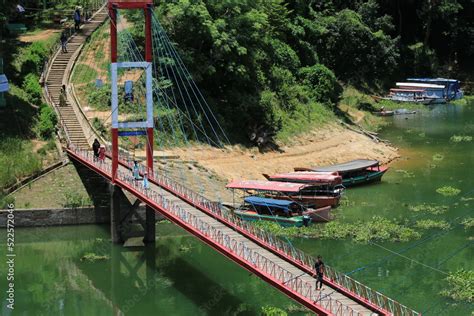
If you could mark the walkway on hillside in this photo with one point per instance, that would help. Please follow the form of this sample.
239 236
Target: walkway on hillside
58 73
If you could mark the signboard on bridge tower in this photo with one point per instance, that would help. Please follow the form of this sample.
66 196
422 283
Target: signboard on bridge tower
148 124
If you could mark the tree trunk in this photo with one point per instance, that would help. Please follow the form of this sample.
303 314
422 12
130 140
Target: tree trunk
428 23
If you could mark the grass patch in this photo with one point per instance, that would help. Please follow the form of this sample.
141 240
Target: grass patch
448 191
84 74
17 160
460 286
75 199
302 119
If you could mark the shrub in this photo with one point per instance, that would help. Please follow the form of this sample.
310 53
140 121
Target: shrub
421 59
322 82
46 124
32 88
99 98
6 200
33 58
75 199
99 126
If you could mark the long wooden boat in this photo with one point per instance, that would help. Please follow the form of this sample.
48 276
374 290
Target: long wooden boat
383 113
285 213
310 195
355 172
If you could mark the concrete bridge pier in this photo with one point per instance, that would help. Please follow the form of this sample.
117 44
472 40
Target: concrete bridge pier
126 220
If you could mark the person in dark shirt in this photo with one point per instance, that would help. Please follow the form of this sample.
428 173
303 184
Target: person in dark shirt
319 267
63 42
77 19
95 149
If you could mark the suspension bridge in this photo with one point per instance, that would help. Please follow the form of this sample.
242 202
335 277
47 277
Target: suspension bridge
162 80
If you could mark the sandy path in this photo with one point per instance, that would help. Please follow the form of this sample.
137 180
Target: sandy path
329 145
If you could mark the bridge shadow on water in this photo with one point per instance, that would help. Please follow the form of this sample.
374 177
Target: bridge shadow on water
154 279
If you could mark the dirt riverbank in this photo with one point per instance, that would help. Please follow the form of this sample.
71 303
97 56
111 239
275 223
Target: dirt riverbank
332 144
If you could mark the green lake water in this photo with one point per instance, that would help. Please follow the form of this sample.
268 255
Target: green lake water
181 276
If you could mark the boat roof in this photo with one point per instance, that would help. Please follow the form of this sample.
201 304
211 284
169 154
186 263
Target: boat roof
352 165
262 185
406 90
260 201
419 85
308 177
432 80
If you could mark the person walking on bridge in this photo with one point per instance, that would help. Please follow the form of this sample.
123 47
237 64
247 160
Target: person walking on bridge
62 96
95 149
319 267
63 42
77 19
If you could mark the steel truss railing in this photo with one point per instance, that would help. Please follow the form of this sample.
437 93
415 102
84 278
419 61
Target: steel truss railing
332 276
238 248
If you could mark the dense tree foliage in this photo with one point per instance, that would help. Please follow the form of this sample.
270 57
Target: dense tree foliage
258 59
263 63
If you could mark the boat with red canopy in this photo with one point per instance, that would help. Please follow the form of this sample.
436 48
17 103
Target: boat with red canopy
354 172
309 195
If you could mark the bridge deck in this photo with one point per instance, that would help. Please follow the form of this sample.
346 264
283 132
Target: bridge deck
282 274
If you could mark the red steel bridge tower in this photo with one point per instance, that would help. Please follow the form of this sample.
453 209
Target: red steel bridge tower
148 125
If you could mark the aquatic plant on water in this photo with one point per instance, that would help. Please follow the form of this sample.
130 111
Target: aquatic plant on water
272 311
430 223
460 138
438 157
429 208
406 174
460 286
448 191
92 257
377 229
468 222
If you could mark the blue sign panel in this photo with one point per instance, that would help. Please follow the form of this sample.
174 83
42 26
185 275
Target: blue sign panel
132 133
4 87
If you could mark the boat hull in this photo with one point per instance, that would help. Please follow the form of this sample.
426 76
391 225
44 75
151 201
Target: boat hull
319 215
371 176
295 221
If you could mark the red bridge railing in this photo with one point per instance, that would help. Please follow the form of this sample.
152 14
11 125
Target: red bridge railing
351 287
304 290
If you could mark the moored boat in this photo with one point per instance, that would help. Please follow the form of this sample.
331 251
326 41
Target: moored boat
285 213
310 195
355 172
426 91
383 113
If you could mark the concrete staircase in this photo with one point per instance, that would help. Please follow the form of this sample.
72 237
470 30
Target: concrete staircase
58 75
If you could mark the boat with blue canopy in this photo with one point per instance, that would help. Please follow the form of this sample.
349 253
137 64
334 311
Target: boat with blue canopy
284 212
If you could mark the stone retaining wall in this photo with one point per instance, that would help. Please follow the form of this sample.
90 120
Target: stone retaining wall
56 217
